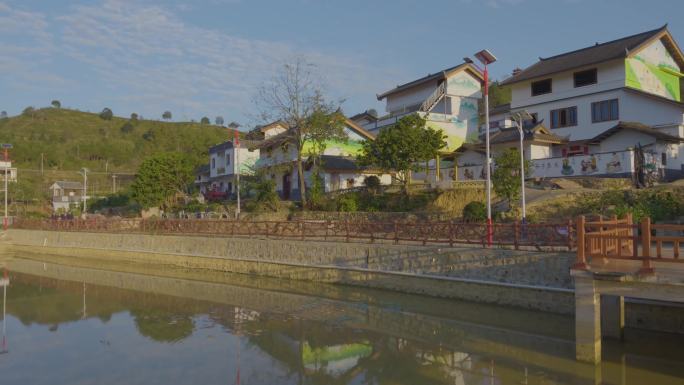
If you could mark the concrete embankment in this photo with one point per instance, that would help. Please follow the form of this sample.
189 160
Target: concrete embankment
506 277
531 280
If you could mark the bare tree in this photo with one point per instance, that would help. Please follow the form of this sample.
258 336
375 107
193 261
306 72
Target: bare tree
294 96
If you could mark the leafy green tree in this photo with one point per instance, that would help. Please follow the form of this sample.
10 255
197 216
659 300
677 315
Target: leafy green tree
167 115
506 175
3 115
402 146
134 117
160 177
265 195
106 114
234 125
205 120
219 120
56 104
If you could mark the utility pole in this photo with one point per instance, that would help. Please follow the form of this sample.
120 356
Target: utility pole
113 183
6 147
84 172
42 157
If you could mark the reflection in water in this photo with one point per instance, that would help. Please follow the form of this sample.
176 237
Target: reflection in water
78 325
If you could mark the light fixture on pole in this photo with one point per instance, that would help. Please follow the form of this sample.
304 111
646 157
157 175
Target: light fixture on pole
6 147
486 58
519 118
84 172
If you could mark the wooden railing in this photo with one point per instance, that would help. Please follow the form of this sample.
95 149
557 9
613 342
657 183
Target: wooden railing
516 235
622 239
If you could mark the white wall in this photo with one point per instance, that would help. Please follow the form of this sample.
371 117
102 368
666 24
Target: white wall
610 75
645 109
410 97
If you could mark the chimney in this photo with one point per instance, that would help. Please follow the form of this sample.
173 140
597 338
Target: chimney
516 71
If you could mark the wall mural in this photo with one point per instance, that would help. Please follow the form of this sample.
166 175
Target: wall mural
350 148
463 84
580 165
651 70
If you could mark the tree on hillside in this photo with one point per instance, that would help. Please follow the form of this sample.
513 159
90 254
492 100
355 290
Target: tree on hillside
134 117
56 104
293 96
372 112
160 177
506 175
205 120
402 146
127 127
219 120
106 114
167 115
233 125
28 111
3 115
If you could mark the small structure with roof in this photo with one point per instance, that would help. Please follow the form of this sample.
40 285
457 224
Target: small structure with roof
66 194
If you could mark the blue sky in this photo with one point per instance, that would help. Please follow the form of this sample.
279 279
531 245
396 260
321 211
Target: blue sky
206 57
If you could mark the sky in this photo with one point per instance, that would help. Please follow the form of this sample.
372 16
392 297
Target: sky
207 57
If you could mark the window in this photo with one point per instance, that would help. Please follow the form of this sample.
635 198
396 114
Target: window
564 117
585 78
227 159
604 111
213 162
663 159
541 87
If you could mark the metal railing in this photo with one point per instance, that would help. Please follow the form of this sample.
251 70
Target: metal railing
622 239
516 235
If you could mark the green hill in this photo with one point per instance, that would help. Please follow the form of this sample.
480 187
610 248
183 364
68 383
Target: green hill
68 140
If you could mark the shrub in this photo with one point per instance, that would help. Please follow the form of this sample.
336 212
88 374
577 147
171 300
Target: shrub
106 114
348 203
127 127
372 183
475 212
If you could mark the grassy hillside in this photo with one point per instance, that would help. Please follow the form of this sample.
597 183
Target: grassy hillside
70 140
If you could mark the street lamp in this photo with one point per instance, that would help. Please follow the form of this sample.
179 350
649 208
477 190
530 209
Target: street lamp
84 172
486 58
6 147
236 149
519 119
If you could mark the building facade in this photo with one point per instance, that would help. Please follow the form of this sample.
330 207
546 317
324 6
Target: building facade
217 180
605 104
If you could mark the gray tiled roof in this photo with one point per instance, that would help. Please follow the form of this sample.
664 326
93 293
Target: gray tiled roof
69 185
595 54
639 127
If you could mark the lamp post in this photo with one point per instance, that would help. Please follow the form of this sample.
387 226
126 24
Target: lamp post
486 58
236 148
6 147
519 119
84 172
4 282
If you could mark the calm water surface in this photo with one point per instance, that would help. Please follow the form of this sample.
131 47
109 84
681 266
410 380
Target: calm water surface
68 324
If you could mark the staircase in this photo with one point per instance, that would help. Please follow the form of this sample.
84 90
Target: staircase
436 96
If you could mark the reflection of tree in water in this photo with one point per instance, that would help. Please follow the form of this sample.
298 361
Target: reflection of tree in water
163 326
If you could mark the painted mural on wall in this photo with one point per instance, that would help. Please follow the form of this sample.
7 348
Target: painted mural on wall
463 84
460 125
579 165
350 148
654 70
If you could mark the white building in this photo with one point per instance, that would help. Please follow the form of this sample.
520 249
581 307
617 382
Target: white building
65 195
338 168
217 180
605 105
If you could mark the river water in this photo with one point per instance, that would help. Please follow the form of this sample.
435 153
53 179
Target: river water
73 323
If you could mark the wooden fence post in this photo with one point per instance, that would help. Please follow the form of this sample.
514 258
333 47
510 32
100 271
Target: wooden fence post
516 235
581 262
646 266
569 234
